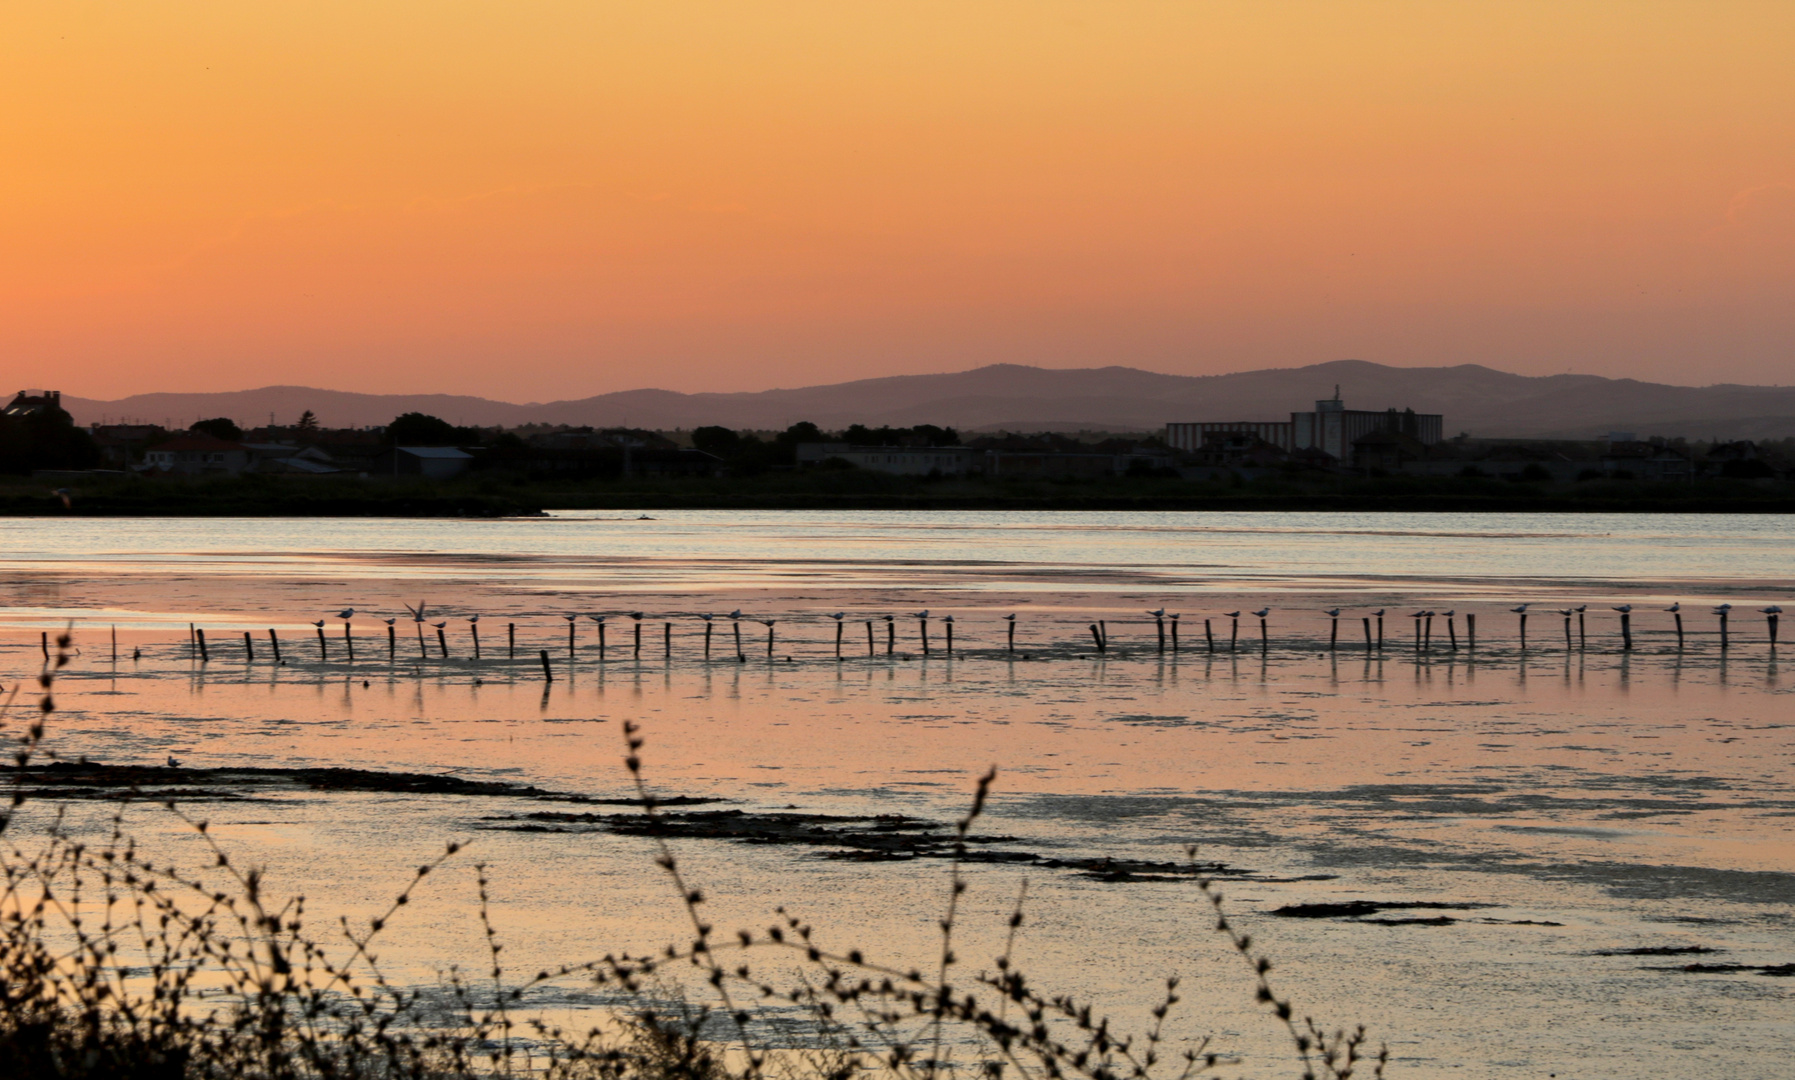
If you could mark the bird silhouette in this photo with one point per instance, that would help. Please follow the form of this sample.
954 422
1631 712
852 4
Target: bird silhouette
888 618
440 625
1623 608
174 762
1009 618
1581 608
1678 606
768 623
923 614
947 618
319 624
736 614
1520 609
473 618
1567 612
1262 612
570 618
417 613
1722 608
346 613
390 622
599 619
1232 614
707 618
636 615
1420 614
1449 614
1332 612
1157 613
64 494
839 616
1771 610
1379 613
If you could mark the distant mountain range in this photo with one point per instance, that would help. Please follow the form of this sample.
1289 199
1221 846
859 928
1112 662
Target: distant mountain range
1480 400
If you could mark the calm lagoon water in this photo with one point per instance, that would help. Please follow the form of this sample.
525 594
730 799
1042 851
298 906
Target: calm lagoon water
1570 804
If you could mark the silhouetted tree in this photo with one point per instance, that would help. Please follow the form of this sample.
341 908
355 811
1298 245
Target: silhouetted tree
422 429
46 439
308 422
219 428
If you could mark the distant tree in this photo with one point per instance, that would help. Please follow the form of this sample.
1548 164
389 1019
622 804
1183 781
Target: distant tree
422 429
308 422
219 428
716 440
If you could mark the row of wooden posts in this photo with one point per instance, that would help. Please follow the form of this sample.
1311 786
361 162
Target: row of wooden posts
1372 626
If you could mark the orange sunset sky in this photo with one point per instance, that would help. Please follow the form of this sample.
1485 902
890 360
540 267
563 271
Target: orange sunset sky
533 200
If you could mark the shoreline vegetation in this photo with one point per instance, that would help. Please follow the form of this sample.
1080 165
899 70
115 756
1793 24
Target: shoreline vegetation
492 495
118 965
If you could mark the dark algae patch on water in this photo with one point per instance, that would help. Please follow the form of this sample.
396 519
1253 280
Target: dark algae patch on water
94 780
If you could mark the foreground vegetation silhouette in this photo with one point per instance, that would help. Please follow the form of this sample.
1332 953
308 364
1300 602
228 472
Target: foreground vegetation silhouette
116 966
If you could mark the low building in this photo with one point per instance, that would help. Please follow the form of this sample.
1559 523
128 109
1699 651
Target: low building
196 454
1331 428
31 402
902 460
430 462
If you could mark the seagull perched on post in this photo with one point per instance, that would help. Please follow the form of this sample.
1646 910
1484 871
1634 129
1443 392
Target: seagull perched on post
600 619
319 624
390 622
1332 613
1722 609
1520 609
1262 612
839 616
923 614
1232 614
707 618
1009 618
736 614
1771 610
470 618
636 615
1674 608
440 625
1157 613
1623 608
1379 613
346 614
1449 614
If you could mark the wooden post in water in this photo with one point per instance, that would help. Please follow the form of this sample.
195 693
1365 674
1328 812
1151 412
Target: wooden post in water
1723 641
115 643
1366 620
1234 633
1582 631
890 636
1380 629
737 627
1096 637
1159 624
1567 631
770 623
1523 611
870 649
570 624
948 621
348 642
1770 617
1626 631
1174 633
707 638
922 621
1333 631
192 647
511 641
1417 618
1470 630
667 640
636 620
274 640
323 650
547 675
442 640
1427 633
202 645
601 639
249 650
392 642
1452 630
1264 636
1679 617
473 626
838 633
1011 619
1209 634
1103 628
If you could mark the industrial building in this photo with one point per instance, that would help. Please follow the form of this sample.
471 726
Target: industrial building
1331 428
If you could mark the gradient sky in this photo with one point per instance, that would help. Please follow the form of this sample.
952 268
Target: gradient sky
536 200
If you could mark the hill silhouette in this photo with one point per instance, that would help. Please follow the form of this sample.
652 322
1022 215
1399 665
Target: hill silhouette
1473 398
